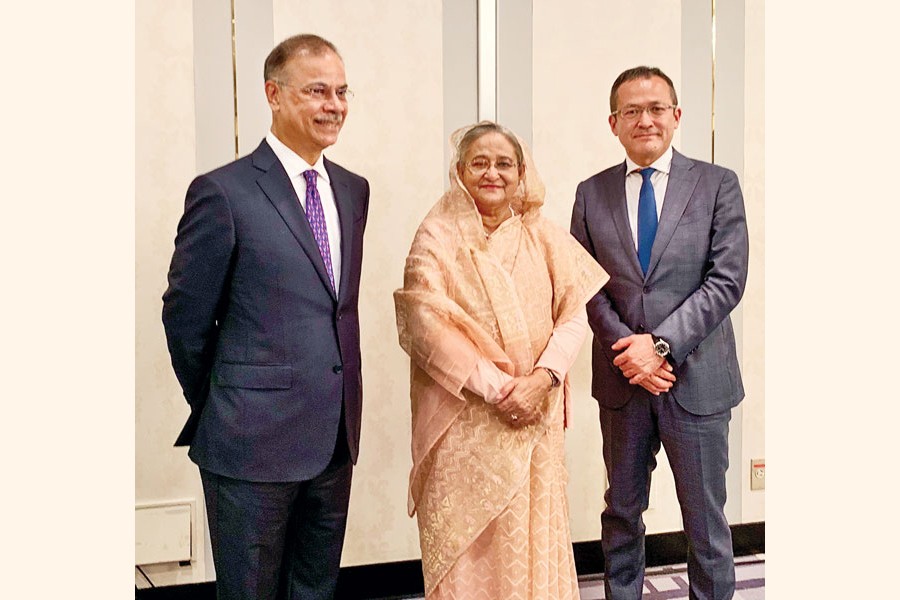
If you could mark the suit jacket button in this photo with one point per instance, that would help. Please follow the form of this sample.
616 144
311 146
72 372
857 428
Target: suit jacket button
647 289
337 368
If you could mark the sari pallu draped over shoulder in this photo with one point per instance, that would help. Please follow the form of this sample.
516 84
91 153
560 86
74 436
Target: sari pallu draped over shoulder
467 296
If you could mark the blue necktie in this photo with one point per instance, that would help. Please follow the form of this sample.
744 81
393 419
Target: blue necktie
647 219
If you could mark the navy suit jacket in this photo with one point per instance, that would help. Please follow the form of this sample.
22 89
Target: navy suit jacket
697 273
265 353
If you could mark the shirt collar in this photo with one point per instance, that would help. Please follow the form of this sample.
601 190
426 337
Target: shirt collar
292 162
663 163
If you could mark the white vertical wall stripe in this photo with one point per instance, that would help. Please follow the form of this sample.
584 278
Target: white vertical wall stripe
214 99
459 28
487 60
515 85
254 39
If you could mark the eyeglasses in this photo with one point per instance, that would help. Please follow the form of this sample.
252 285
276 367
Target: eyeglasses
479 166
321 92
631 113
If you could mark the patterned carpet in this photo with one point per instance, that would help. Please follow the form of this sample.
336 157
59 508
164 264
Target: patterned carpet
670 582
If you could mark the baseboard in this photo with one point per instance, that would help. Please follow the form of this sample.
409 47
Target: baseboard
671 548
404 578
185 591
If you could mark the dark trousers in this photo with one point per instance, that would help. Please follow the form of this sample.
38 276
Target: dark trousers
279 540
697 449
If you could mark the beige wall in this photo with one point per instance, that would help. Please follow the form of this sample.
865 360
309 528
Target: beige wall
754 405
393 55
164 165
393 136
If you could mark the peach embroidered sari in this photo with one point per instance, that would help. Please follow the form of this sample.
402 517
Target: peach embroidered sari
490 499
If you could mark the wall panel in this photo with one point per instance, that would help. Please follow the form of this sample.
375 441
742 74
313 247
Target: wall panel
578 52
165 160
753 304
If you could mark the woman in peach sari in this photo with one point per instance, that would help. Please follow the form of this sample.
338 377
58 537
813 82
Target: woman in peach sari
492 315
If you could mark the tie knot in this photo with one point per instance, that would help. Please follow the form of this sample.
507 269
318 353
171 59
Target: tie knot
647 172
310 177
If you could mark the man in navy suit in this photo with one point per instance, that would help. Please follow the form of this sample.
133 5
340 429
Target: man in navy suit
672 233
263 330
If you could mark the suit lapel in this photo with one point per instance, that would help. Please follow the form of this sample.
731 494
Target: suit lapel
682 181
277 187
619 209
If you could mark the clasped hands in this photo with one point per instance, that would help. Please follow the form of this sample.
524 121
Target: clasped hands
521 402
641 365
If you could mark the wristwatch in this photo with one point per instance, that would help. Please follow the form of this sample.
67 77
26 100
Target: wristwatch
554 380
660 346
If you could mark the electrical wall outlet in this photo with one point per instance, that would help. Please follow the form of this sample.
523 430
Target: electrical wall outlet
758 474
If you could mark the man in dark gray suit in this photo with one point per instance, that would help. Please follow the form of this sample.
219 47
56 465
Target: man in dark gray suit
263 330
672 233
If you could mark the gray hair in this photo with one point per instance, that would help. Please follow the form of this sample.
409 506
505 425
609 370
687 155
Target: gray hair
283 52
483 128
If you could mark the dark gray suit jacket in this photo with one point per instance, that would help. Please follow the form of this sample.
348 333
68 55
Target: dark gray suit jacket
264 351
697 272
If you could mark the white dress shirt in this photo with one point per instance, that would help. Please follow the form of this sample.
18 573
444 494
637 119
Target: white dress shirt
633 181
295 166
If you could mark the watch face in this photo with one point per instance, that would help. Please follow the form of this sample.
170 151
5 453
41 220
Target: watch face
661 347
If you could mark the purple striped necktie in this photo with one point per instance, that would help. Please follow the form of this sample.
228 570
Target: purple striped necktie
316 217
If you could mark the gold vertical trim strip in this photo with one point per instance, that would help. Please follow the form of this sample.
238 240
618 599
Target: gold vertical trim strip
713 111
234 80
